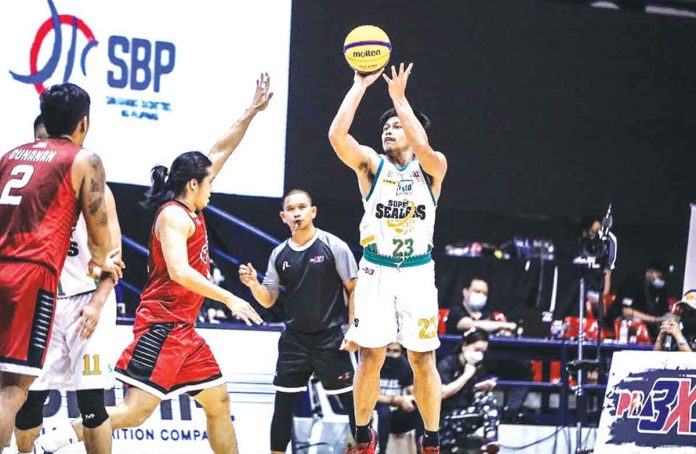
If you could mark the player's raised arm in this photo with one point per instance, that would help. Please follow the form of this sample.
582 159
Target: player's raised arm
89 180
433 162
360 158
226 144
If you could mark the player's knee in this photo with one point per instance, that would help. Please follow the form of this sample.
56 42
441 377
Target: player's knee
421 361
372 357
91 405
136 416
218 406
31 413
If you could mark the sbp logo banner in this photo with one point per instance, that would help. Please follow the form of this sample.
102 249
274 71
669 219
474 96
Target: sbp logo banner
137 63
649 404
164 78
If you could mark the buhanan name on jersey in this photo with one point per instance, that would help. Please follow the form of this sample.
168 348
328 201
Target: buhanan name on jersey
22 154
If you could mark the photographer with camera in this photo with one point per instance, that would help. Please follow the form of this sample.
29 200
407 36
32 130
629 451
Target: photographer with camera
467 401
678 334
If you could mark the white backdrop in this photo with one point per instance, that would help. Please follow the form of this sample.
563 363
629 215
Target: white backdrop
164 77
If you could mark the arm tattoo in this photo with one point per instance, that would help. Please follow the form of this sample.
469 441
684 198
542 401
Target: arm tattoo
95 205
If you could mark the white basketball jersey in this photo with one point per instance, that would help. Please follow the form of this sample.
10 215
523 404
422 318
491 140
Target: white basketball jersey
399 214
74 279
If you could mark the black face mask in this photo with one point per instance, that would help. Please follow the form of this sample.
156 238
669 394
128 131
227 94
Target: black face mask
391 363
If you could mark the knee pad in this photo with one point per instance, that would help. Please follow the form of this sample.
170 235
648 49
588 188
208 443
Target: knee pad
91 405
31 413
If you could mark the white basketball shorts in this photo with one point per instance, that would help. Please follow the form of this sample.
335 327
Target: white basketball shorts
395 305
72 363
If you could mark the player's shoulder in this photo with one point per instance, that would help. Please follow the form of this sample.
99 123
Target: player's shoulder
174 213
85 158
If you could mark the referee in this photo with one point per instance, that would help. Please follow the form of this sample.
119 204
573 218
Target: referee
315 268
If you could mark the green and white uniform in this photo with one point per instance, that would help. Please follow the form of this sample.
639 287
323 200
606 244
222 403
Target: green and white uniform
73 363
395 296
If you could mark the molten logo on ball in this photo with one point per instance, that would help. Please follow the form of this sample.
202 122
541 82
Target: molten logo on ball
367 49
366 53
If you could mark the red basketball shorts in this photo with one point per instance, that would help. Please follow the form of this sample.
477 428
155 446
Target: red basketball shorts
27 304
167 359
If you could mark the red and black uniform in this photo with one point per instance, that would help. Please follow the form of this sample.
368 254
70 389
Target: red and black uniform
167 357
38 209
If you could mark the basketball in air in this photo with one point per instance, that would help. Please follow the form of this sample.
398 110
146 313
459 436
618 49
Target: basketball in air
367 49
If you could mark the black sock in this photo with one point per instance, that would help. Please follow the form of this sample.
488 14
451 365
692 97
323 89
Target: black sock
431 439
363 434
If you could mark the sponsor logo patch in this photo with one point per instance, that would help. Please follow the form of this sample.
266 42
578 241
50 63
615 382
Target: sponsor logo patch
405 187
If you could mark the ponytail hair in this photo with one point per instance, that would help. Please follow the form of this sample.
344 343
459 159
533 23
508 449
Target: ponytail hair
169 184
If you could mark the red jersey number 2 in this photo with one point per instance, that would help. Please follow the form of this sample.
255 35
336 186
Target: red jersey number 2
24 173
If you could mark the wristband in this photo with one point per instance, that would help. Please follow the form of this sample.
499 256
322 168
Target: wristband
682 341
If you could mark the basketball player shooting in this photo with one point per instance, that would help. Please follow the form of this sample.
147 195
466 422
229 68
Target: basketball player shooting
395 296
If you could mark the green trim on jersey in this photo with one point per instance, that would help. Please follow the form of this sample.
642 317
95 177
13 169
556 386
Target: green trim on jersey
371 255
374 180
427 177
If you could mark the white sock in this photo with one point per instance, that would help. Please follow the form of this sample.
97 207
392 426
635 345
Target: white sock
60 437
20 452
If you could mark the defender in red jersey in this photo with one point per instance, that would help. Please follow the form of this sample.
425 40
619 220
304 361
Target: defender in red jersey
167 357
42 186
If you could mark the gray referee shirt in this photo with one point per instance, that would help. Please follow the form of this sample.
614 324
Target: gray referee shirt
313 276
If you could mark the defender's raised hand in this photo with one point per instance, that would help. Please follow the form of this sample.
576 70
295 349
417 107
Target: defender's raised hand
262 96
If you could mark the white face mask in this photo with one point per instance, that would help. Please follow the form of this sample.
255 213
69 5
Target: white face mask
473 357
658 283
477 301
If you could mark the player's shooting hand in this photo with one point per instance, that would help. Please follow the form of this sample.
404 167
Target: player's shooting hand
397 83
88 317
262 96
247 274
365 80
243 311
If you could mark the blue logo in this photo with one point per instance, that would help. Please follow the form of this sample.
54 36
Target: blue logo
36 76
138 64
654 408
